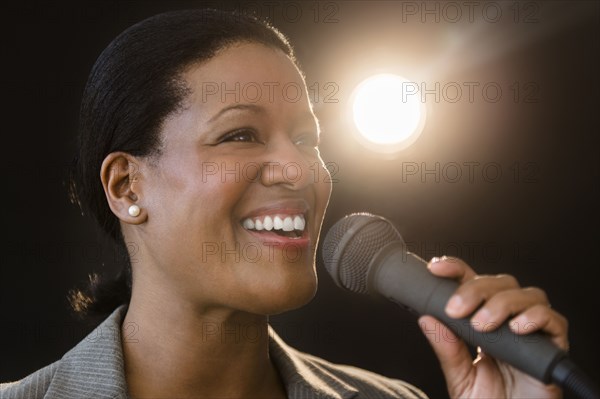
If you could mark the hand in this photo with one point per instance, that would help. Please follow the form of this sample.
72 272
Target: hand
501 298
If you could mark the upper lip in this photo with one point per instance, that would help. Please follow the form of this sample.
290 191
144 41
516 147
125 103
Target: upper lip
282 207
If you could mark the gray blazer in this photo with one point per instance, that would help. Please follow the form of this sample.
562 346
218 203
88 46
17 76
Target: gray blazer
94 369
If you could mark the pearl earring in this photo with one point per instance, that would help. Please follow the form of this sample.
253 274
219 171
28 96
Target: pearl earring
134 210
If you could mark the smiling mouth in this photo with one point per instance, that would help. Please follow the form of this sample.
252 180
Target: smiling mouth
290 226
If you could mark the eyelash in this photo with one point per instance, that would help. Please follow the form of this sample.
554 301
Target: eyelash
230 137
311 140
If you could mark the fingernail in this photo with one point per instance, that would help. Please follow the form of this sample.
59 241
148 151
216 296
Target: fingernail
433 260
518 323
481 317
454 305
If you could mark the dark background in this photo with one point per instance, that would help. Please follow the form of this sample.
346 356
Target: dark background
536 220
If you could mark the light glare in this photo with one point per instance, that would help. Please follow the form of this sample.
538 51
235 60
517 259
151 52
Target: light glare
387 111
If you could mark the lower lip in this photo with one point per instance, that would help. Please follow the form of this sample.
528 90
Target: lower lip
266 236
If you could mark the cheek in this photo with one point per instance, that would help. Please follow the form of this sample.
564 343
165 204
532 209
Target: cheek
220 190
211 203
195 203
325 184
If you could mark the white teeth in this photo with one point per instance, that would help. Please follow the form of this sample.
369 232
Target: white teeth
268 223
285 223
299 223
248 224
288 225
277 223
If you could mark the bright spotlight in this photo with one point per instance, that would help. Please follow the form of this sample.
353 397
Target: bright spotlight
388 112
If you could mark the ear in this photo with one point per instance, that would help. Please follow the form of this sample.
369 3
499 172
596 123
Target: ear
120 174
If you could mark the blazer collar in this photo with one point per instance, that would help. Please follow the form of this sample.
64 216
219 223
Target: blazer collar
95 368
306 376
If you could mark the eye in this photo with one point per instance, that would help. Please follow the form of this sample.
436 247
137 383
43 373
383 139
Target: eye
309 140
241 136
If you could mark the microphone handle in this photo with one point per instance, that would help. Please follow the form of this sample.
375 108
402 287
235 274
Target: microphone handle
403 278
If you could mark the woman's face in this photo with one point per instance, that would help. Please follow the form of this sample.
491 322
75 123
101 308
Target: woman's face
236 199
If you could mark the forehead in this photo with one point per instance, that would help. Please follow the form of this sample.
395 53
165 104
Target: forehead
246 73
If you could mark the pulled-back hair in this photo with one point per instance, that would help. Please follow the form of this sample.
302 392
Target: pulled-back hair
132 88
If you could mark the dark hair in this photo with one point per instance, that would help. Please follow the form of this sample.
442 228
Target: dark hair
132 88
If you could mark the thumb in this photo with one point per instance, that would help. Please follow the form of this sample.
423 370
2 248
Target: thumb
454 357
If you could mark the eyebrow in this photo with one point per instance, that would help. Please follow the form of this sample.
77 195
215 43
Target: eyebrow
308 117
250 107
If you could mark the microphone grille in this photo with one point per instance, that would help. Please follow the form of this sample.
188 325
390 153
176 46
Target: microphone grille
350 245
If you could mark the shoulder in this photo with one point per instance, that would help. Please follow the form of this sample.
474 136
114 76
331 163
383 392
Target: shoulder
92 369
33 386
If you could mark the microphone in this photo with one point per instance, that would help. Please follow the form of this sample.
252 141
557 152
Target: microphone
365 254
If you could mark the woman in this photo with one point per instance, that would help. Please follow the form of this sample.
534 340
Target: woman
206 157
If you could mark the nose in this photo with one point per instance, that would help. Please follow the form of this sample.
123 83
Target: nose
288 165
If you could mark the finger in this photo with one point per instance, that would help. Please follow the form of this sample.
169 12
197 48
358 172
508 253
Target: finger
451 268
505 304
472 293
454 357
542 318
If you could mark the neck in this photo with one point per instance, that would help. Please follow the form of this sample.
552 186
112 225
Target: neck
173 349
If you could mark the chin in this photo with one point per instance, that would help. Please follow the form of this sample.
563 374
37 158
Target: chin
281 298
